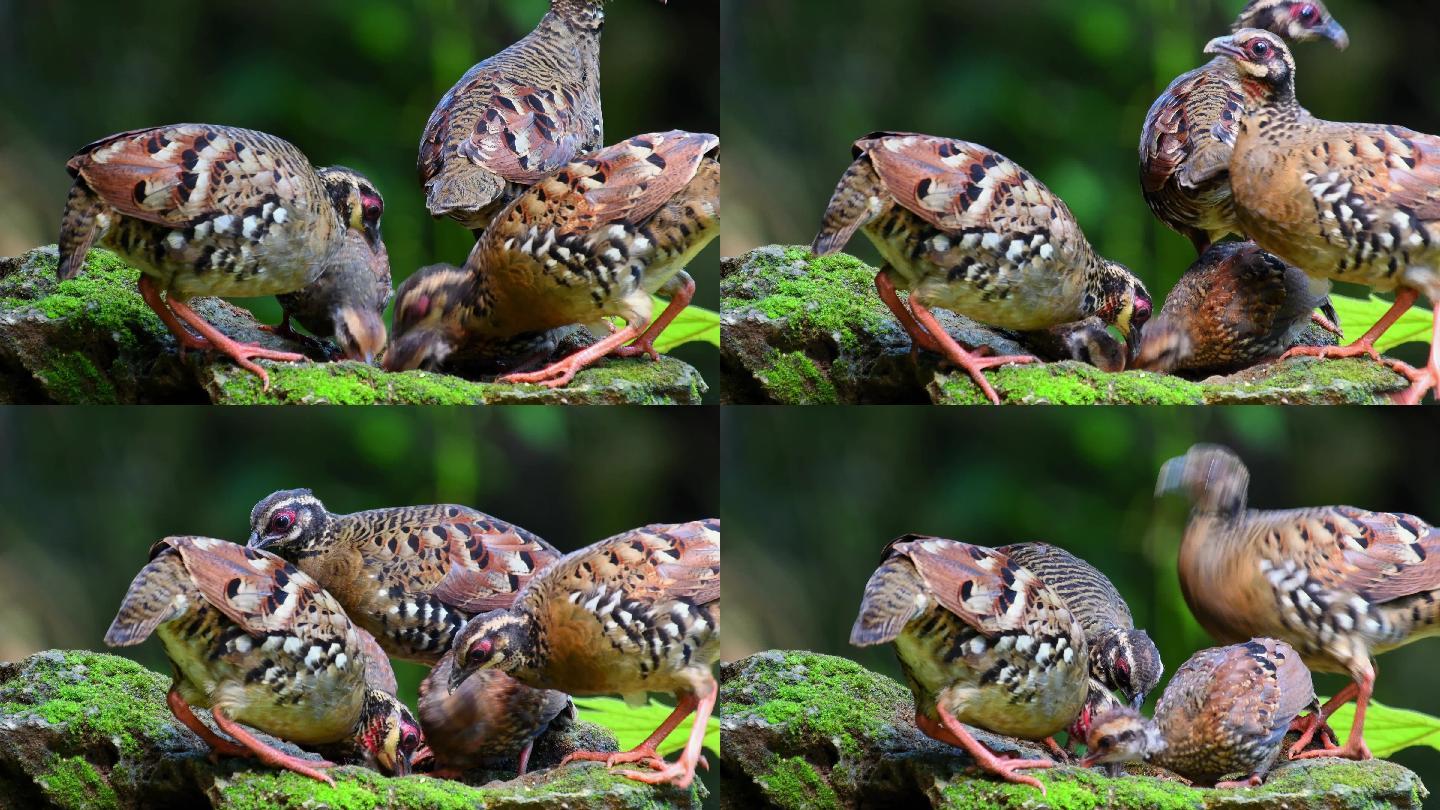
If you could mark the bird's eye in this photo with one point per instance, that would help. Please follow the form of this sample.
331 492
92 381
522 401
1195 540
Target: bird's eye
371 207
1309 13
418 308
281 522
1142 313
482 648
1259 49
409 742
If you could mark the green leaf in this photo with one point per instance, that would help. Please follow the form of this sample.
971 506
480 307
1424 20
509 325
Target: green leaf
693 323
1388 729
1357 316
632 726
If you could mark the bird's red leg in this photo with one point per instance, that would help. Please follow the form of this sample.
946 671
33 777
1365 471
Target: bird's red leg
563 371
241 353
1354 747
1424 381
645 344
525 758
1365 346
645 751
187 339
1060 754
1326 324
268 755
949 730
1254 780
219 746
918 335
681 772
1315 721
966 360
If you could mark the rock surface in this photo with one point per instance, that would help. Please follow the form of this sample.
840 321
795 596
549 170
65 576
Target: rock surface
89 730
801 729
92 340
796 329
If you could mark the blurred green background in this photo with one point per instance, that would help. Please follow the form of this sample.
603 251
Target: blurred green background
1060 86
85 491
811 499
350 82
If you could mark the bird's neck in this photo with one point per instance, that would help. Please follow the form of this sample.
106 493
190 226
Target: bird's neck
579 15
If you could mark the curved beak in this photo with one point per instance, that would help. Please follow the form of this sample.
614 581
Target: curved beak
1225 46
255 541
1336 34
458 675
1137 701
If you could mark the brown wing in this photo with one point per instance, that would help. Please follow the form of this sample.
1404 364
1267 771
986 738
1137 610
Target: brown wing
525 132
1379 555
256 589
980 585
378 672
1413 160
655 563
1190 131
171 175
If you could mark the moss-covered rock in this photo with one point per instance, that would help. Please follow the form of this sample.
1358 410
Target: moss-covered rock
89 730
797 329
93 340
803 730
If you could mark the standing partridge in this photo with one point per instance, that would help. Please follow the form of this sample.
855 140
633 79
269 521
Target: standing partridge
981 640
1358 203
516 117
635 613
212 210
591 241
1121 657
347 302
258 642
963 228
1339 584
1224 712
1190 131
1235 307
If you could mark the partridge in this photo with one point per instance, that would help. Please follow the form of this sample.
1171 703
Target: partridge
1237 306
1190 131
346 302
489 715
1224 712
964 228
635 613
590 241
212 210
1121 657
258 642
1339 584
516 117
410 575
1358 203
981 640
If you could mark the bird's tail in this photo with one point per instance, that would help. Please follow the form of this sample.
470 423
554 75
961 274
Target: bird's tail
151 600
850 207
78 229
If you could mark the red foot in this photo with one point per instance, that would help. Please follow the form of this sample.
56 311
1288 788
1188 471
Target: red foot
645 344
1326 324
949 730
563 371
970 362
919 337
219 746
612 758
1354 749
268 755
1254 780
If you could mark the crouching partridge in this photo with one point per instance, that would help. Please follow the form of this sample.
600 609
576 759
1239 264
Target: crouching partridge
593 240
1225 712
981 640
963 228
213 210
258 642
346 302
1358 203
1190 131
1339 584
635 613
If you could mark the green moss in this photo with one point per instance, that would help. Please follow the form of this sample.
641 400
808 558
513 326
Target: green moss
92 694
102 298
1374 781
1072 384
1358 381
834 294
793 783
73 379
793 379
346 383
72 782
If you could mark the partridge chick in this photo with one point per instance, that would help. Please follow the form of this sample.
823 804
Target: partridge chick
347 302
1236 307
964 228
1344 202
1121 657
635 613
1339 584
981 641
258 642
1190 131
590 241
211 210
1224 712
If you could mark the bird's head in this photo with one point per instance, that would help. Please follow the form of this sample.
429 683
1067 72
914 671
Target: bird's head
287 522
1122 301
387 735
1214 478
360 290
1128 659
1091 343
1121 736
495 640
1295 20
1266 67
356 201
430 311
1166 345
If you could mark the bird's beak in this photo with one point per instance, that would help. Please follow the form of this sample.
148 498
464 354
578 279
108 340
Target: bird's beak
254 541
1137 701
1225 46
458 675
1336 34
1172 474
1089 760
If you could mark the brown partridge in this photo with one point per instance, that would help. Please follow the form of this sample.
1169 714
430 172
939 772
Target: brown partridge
1237 306
516 117
1121 657
635 613
258 642
981 640
346 302
1358 203
1190 131
212 210
963 228
1339 584
1225 712
591 241
410 575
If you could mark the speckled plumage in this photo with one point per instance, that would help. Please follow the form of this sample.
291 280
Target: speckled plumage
1338 583
259 642
592 240
345 302
632 614
966 229
1224 713
1190 131
981 640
